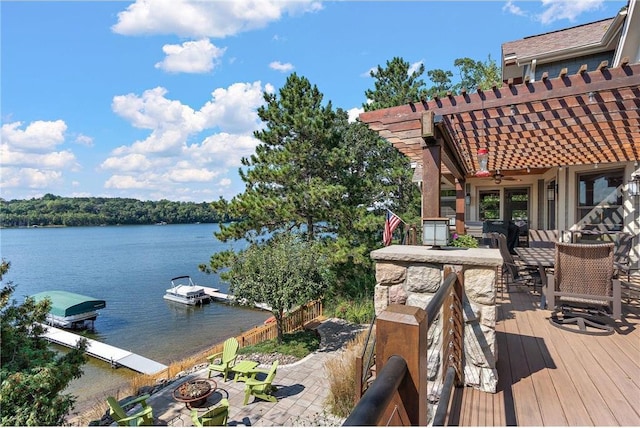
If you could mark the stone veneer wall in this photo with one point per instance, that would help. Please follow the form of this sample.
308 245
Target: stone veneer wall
411 274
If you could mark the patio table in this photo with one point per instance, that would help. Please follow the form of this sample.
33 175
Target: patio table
538 256
534 256
243 368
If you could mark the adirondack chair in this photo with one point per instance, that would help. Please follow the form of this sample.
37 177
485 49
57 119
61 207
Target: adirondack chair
227 358
142 417
214 417
261 388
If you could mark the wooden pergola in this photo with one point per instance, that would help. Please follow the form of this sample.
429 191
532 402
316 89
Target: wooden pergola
591 117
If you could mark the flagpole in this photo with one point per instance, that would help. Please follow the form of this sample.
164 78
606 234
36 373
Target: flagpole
397 216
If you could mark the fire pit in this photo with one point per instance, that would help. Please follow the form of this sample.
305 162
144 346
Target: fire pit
194 392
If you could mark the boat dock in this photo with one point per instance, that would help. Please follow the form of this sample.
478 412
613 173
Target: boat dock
115 356
228 298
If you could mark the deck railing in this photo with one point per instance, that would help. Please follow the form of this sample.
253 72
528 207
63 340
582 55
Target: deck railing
399 394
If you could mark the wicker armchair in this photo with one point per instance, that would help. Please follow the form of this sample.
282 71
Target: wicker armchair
582 291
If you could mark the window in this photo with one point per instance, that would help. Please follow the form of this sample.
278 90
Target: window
600 200
489 204
448 205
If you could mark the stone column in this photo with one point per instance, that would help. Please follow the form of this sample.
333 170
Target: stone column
411 274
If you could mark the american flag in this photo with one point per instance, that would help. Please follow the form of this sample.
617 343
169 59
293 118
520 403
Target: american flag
391 222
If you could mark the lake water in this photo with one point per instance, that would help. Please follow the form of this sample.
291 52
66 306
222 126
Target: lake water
129 267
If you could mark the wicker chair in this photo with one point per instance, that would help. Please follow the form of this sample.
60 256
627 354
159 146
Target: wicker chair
582 291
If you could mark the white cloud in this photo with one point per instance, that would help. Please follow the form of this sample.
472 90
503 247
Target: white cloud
278 66
128 182
354 113
195 18
84 140
510 7
39 136
234 109
31 178
185 146
556 10
129 163
414 67
190 175
224 150
191 57
369 71
30 157
52 160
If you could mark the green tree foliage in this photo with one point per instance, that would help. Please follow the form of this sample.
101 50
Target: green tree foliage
283 272
60 211
395 85
473 75
290 179
32 375
316 173
476 75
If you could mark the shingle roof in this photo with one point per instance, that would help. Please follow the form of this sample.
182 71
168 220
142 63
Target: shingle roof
574 37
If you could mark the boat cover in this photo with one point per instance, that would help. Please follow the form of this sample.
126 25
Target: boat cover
66 304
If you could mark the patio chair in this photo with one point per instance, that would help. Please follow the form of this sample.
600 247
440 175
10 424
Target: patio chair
142 417
261 388
213 417
582 291
227 358
514 272
622 255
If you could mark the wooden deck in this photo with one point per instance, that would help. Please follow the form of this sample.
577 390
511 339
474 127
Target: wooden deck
552 377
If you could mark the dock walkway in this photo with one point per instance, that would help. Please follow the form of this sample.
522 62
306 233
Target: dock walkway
228 298
115 356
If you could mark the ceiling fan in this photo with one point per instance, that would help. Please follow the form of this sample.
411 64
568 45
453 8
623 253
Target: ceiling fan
498 177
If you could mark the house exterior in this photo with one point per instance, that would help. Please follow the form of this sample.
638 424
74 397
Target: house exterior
562 135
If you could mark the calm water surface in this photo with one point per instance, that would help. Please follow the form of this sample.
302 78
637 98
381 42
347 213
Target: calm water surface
130 267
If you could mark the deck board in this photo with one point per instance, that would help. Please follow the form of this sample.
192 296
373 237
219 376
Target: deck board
551 377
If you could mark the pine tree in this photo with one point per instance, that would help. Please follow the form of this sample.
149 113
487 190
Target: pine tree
33 376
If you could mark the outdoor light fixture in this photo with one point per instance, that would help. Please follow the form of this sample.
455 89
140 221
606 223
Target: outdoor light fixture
513 109
497 177
633 186
467 199
551 192
435 232
592 97
483 161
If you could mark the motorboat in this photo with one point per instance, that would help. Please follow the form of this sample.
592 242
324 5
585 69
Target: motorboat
184 291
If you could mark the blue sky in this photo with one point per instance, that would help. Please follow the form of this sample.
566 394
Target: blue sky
157 99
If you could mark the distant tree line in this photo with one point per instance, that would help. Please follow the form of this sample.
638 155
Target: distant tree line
52 210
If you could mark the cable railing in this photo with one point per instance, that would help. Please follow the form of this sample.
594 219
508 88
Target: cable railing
408 350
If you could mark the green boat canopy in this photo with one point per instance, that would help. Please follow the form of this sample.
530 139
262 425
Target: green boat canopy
66 304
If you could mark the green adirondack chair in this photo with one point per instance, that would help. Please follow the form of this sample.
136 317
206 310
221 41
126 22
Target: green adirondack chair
142 417
227 358
215 417
261 388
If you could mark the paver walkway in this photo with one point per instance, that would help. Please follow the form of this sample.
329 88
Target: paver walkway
302 390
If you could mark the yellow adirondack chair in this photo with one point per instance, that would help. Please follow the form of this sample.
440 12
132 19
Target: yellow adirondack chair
142 417
215 417
261 388
227 358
